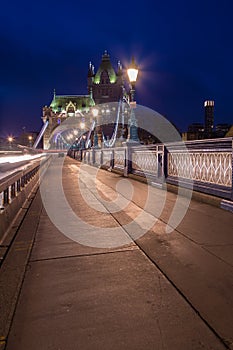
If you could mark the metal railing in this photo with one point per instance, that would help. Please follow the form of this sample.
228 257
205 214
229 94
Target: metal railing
147 161
207 164
204 165
13 185
14 191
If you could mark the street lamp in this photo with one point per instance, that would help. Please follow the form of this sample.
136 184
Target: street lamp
83 139
95 113
132 72
10 140
132 124
82 125
30 140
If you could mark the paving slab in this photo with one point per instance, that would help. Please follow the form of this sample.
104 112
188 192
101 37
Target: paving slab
224 252
50 243
106 301
204 278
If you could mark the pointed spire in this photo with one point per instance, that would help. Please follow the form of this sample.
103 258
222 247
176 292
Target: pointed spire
106 56
119 67
91 70
54 93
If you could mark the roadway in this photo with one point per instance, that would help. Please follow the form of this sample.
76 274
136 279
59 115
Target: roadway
11 163
161 291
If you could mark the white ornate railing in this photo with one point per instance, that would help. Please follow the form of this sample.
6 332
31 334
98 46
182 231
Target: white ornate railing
106 158
149 161
206 164
145 161
98 157
212 167
119 158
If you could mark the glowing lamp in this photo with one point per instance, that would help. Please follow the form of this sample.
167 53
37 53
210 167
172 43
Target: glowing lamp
82 125
95 112
132 71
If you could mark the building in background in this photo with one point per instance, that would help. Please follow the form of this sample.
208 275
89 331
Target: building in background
221 130
195 131
209 119
230 132
199 131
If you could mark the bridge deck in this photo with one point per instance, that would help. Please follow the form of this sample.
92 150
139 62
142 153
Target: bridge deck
164 291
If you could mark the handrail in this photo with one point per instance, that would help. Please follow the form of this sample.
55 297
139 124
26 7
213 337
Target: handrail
204 165
16 176
13 184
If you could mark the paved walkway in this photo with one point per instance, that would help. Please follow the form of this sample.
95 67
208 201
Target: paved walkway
165 291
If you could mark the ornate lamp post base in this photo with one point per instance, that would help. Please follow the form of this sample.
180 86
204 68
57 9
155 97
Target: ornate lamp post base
133 135
132 128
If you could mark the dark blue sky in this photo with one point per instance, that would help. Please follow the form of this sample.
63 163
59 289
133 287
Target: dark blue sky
184 50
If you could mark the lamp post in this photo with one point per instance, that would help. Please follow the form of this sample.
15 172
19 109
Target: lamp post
132 124
30 140
82 125
10 140
95 113
83 137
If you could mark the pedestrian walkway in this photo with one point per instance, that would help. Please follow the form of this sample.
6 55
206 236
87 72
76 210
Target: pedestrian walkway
163 291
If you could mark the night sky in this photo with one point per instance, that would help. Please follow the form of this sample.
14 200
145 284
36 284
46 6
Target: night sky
184 50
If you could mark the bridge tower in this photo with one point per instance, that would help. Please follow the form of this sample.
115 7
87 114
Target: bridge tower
104 86
62 107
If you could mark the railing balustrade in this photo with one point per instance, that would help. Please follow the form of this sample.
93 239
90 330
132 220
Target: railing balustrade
15 189
205 165
10 188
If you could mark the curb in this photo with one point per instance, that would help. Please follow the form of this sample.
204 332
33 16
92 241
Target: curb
14 266
197 196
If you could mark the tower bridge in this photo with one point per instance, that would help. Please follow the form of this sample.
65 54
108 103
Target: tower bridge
105 86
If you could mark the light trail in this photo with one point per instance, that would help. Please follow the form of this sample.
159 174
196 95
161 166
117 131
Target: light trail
16 159
11 164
